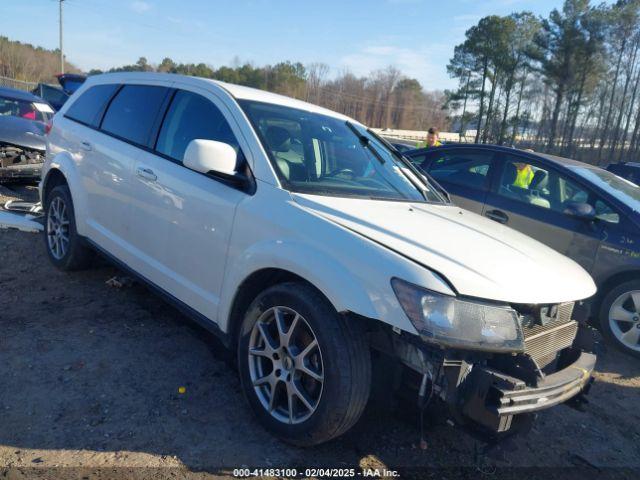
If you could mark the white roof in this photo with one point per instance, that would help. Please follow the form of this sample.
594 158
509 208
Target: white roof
248 93
237 91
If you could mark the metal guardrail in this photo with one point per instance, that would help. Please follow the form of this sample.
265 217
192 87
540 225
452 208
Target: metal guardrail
421 135
17 84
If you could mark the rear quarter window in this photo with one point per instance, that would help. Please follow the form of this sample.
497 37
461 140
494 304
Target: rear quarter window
88 107
133 112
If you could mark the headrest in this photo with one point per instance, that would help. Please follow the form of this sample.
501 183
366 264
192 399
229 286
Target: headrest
510 174
278 139
539 180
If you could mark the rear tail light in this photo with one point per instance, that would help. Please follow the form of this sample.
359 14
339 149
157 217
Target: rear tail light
47 127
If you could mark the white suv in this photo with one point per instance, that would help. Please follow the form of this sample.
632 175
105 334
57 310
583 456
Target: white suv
311 247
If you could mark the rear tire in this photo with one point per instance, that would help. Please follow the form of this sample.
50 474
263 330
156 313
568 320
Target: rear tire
334 377
65 248
620 317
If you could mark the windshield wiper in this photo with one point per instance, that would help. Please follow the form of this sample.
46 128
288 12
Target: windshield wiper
365 142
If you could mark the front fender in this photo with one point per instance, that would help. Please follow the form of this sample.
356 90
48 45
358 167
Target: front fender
334 280
349 286
353 272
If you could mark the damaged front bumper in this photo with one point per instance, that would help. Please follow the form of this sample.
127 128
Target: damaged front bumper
491 398
496 393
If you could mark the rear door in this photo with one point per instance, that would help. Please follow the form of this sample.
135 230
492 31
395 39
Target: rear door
535 206
89 148
464 172
124 131
181 220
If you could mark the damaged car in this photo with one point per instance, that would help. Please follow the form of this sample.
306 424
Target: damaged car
313 250
23 119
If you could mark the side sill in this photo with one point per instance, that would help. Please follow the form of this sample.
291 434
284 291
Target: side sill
194 315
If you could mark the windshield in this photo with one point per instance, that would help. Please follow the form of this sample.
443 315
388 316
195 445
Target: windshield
322 155
623 190
24 109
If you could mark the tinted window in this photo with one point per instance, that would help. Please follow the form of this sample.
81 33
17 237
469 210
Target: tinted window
468 168
133 112
88 107
190 117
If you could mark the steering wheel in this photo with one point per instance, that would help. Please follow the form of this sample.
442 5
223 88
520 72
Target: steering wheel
342 171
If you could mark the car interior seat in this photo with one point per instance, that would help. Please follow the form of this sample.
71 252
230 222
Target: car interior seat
289 162
530 195
537 186
507 188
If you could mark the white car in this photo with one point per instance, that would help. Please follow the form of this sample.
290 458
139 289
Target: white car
311 246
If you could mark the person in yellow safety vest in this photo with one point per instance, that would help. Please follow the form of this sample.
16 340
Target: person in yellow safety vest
433 139
524 175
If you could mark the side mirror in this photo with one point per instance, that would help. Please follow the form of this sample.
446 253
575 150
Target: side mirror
209 156
580 210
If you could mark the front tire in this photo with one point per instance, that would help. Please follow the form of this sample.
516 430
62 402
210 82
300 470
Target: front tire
65 247
620 317
305 369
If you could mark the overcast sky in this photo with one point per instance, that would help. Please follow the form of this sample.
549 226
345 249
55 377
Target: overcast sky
417 36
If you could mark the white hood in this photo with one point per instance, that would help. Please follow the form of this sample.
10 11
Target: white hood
480 257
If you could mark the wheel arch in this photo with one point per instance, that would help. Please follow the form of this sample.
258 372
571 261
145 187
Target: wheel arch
610 283
252 286
53 178
61 170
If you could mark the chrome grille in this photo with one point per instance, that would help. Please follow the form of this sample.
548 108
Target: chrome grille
543 342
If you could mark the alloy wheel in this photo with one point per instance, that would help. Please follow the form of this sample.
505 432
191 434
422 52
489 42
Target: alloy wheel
285 365
58 228
624 319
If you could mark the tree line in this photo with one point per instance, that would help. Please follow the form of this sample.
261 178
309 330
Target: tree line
566 84
385 98
28 63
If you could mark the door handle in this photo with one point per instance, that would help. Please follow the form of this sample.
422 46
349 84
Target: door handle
146 173
86 146
497 215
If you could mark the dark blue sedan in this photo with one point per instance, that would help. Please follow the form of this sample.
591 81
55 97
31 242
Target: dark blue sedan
582 211
628 170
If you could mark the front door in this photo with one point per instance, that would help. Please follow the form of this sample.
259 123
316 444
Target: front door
531 197
182 219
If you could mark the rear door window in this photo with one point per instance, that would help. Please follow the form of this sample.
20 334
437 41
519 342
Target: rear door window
89 106
133 112
192 116
464 167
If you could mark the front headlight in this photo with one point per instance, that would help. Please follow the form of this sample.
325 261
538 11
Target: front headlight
456 323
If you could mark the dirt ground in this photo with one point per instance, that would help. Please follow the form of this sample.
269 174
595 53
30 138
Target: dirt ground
90 377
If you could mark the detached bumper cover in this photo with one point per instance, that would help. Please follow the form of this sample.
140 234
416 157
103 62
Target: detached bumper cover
551 390
493 398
